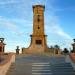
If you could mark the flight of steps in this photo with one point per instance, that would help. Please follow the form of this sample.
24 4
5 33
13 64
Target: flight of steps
35 65
19 69
52 69
56 66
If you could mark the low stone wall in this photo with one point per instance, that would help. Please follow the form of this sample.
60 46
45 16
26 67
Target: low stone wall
72 56
5 65
71 59
67 59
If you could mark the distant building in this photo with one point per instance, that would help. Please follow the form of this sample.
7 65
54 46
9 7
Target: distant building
38 38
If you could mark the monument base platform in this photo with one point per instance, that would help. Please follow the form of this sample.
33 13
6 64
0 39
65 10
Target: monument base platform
40 51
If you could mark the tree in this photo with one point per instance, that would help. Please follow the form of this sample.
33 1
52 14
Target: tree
66 50
57 47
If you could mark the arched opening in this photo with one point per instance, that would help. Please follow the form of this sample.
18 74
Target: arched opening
0 48
56 51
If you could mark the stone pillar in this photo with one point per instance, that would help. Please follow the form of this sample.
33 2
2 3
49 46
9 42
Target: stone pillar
2 45
2 48
73 46
17 50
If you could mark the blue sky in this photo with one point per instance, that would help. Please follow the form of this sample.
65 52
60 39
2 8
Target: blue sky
16 22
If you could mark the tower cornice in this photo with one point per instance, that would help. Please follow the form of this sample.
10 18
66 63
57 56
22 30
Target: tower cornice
43 6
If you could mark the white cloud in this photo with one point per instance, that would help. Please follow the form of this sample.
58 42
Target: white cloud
64 9
55 28
13 26
60 32
8 2
8 24
11 45
12 40
59 36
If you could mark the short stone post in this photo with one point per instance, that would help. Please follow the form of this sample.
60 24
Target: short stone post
17 50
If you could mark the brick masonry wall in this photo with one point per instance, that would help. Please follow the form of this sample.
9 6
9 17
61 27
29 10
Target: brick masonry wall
71 59
7 63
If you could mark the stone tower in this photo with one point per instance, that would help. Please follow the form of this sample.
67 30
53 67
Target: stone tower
38 38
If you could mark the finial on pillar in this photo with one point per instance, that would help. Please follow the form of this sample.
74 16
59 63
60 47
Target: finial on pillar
74 40
1 40
17 50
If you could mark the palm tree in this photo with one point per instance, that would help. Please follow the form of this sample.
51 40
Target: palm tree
66 50
57 47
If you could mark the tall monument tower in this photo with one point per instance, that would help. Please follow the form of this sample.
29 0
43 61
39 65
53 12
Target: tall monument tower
38 38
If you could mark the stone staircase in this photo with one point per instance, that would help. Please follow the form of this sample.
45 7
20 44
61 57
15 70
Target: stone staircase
35 65
52 69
